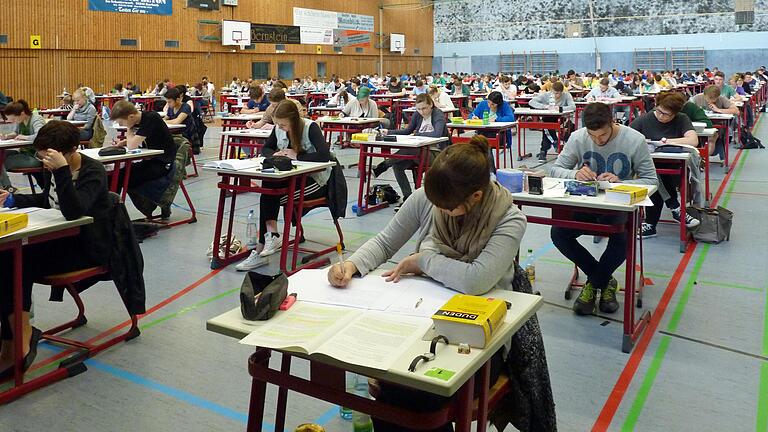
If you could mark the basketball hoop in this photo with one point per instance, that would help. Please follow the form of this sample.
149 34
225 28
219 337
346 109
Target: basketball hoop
241 43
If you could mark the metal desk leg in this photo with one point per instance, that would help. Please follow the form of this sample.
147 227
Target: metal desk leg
465 402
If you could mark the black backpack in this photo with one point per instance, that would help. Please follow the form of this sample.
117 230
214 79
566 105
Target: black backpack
390 194
749 141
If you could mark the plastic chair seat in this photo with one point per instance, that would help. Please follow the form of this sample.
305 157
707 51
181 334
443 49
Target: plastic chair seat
73 276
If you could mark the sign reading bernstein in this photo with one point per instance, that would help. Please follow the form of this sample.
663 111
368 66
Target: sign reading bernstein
275 34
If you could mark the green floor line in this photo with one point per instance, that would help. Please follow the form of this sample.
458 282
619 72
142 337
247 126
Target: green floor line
682 302
761 424
184 310
658 358
645 388
730 285
762 392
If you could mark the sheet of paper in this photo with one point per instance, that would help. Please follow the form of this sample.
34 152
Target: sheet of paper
646 202
421 297
371 292
375 340
20 210
305 325
555 192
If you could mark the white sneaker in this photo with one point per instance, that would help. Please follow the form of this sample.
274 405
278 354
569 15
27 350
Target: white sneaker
253 261
272 244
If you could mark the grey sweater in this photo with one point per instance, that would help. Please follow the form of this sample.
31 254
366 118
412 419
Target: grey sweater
626 156
493 268
543 100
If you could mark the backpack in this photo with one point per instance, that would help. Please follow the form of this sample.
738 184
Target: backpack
749 141
99 134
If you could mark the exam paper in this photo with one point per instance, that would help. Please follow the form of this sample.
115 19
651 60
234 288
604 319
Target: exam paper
375 340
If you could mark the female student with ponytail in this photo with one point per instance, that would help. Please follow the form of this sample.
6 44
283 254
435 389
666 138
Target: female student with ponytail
299 139
468 232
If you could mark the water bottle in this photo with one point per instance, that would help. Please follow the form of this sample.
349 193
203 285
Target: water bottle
379 196
65 91
350 380
251 231
486 118
361 422
530 267
225 108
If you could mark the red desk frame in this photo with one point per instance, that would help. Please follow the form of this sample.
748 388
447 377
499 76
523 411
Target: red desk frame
681 170
365 164
242 182
228 124
501 139
346 128
66 369
522 125
632 329
327 383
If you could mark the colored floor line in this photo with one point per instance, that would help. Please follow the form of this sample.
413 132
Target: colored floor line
611 406
658 358
748 193
126 323
761 422
155 386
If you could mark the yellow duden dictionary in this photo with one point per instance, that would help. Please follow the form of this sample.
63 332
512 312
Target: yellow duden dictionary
626 194
470 319
10 222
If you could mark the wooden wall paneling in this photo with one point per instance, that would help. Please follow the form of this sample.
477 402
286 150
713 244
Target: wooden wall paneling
83 46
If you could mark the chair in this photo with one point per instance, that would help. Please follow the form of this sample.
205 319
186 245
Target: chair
69 282
128 281
30 173
161 192
308 206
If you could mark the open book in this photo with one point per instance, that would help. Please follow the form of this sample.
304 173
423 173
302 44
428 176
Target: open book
654 145
235 164
365 338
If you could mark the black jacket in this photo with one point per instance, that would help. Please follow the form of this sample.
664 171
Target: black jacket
88 196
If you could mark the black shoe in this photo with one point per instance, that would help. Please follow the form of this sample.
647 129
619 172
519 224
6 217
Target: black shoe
379 169
542 156
29 359
195 150
165 213
10 189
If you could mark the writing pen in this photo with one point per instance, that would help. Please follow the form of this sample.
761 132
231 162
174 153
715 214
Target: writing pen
418 303
586 164
341 256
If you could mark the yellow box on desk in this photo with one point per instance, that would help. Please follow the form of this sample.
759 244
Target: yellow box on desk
469 319
475 122
360 137
626 194
10 222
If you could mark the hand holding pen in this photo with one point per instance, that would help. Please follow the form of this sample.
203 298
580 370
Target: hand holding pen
586 173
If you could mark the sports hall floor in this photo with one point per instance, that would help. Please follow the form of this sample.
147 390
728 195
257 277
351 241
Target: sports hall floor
703 369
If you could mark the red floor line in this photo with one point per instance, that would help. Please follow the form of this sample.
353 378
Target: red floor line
126 323
627 374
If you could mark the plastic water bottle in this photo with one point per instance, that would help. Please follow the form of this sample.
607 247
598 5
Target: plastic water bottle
361 422
379 196
251 231
350 380
225 107
530 267
65 91
486 118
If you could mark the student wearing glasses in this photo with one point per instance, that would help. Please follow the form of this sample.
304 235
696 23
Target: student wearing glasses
666 124
468 231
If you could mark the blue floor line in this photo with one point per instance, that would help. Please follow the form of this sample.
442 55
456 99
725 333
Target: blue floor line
164 389
538 253
327 416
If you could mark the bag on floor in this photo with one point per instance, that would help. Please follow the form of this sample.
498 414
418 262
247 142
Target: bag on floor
261 295
749 141
390 194
714 226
